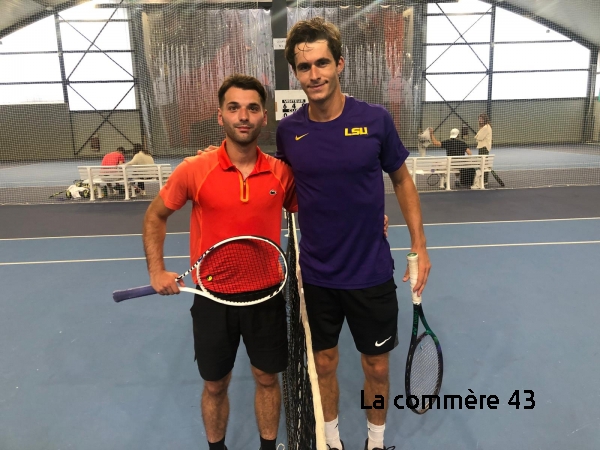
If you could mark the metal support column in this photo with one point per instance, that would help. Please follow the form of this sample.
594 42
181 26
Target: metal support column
279 30
419 52
137 51
491 63
588 121
63 76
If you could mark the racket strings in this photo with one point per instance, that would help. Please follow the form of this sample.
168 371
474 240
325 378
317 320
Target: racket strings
425 370
249 268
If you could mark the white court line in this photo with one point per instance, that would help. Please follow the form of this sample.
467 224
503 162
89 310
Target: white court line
79 237
283 229
502 221
94 236
449 247
141 258
523 244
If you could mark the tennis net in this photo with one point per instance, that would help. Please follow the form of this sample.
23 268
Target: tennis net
301 397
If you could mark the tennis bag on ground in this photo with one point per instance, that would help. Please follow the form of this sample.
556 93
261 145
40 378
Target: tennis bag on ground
77 190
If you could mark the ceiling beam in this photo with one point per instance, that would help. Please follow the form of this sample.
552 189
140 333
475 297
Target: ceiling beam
39 16
543 21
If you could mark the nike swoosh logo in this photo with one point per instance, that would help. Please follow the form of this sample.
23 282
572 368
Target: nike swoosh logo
379 344
300 137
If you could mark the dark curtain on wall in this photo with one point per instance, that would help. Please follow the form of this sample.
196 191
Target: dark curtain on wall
188 53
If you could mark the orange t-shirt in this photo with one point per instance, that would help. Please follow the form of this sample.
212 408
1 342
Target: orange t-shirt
224 204
113 159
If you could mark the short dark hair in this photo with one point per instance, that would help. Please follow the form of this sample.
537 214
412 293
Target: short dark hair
308 31
244 82
121 149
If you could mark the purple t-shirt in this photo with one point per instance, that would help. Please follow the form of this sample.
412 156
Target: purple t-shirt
339 182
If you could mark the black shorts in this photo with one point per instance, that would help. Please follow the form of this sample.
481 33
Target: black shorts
372 315
217 331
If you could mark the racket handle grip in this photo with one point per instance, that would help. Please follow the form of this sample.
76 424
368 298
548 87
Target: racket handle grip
142 291
413 271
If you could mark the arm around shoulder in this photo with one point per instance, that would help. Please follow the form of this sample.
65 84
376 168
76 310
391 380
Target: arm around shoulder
290 202
284 174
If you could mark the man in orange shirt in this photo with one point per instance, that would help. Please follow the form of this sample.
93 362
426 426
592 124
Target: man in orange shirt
236 190
113 159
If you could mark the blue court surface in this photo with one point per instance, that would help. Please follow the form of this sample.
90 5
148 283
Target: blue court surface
514 304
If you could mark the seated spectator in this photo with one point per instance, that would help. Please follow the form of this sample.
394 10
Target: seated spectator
141 157
456 147
113 159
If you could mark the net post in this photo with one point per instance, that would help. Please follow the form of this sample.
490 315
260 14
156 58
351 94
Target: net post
312 371
305 423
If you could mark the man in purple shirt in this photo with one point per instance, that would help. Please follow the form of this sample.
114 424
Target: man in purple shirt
337 147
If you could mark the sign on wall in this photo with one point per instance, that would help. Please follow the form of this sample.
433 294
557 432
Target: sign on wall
288 102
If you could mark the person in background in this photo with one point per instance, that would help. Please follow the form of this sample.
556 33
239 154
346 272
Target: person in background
456 147
113 159
484 139
484 144
141 157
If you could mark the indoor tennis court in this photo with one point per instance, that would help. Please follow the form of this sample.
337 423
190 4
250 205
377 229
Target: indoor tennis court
513 291
518 166
511 299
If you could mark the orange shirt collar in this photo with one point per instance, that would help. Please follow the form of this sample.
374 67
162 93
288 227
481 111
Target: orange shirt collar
262 165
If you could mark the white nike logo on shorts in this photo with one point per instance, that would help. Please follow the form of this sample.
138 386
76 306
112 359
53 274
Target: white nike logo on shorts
379 344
